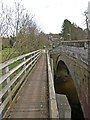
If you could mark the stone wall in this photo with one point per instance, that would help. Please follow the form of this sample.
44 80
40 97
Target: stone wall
75 49
75 57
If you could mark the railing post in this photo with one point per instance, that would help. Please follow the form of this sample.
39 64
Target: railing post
34 54
4 71
25 66
1 98
0 86
0 71
32 58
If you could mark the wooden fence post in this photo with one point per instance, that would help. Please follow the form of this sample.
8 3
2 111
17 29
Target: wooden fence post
1 98
0 70
25 66
4 71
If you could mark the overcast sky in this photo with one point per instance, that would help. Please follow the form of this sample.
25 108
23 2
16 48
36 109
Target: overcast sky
50 14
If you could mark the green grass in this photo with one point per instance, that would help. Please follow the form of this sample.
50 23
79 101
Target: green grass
11 66
14 53
9 53
14 64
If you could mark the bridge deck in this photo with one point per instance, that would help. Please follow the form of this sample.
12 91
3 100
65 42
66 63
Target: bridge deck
32 101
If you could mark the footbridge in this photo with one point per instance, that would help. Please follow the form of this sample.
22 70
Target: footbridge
27 88
29 84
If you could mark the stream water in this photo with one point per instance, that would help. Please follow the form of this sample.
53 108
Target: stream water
66 86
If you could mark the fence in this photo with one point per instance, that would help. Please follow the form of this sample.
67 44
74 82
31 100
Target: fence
13 75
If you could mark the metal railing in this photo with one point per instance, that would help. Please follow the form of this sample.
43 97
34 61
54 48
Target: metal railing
13 75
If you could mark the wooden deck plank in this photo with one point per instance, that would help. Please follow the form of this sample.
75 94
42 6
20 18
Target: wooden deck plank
33 99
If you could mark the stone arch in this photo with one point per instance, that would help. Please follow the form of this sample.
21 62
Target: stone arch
68 66
65 73
62 69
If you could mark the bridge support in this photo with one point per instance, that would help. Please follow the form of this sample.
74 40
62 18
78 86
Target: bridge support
79 73
63 106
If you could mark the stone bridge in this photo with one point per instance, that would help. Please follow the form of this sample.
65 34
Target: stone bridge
71 59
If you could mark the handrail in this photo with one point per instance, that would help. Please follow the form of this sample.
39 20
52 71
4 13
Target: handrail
53 110
9 82
14 69
3 65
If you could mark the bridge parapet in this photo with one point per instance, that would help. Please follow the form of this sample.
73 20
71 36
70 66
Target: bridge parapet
52 97
75 57
75 49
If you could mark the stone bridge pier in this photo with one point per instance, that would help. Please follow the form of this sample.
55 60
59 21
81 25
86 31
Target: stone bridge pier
70 61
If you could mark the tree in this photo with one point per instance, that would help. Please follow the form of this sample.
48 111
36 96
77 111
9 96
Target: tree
86 18
66 29
19 26
70 31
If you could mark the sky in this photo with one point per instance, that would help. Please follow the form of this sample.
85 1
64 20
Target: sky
50 14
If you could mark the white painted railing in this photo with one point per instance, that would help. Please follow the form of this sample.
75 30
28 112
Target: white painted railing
11 80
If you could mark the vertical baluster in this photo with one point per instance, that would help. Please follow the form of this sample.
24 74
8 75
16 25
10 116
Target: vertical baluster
1 98
25 66
34 56
6 82
0 70
4 71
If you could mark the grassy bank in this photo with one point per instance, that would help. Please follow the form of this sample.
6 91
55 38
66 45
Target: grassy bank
9 53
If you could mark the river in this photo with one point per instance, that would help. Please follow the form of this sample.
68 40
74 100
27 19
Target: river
66 86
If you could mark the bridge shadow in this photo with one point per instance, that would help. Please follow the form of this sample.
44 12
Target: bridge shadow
64 85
